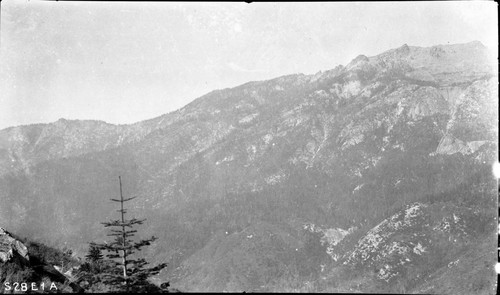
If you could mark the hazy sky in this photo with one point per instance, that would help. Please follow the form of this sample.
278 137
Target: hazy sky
126 62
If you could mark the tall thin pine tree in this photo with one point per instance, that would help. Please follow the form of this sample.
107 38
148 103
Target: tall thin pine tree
128 274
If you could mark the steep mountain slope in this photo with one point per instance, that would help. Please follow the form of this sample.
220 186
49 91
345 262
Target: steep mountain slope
274 185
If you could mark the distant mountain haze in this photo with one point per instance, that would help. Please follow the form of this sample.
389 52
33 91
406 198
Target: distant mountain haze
373 177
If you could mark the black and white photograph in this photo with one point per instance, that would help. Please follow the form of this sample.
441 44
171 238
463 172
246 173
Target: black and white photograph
281 147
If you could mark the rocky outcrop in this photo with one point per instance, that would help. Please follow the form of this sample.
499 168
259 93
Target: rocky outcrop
450 145
410 238
330 237
14 251
9 247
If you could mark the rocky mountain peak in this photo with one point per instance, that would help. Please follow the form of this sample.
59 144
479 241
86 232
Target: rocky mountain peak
360 58
402 51
357 62
475 44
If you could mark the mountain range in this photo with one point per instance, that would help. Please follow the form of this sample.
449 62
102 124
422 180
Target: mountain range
372 177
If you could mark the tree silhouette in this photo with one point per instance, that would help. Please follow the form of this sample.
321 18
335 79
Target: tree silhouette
94 255
127 273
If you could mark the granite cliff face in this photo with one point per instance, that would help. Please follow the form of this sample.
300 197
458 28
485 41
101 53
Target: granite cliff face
284 184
